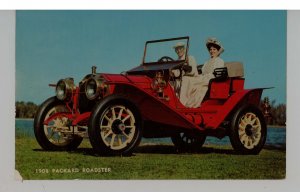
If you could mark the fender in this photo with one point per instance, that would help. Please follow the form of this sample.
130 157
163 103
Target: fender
252 96
153 108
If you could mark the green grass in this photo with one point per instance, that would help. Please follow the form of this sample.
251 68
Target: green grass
149 162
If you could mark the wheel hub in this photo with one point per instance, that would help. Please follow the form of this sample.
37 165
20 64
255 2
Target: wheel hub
118 126
248 130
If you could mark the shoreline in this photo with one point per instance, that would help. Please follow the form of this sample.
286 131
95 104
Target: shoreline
25 119
277 126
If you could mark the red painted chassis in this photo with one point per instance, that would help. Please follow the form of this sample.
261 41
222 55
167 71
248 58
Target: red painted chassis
223 98
159 109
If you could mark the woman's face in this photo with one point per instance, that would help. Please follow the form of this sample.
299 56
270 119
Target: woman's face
214 52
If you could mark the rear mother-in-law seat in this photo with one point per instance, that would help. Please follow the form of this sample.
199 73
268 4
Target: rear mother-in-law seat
235 69
228 80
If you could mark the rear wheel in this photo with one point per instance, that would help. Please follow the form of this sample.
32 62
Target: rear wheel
115 127
248 130
51 135
187 141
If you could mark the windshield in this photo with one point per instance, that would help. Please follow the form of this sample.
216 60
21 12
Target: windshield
163 51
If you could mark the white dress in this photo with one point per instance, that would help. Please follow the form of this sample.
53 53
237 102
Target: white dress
183 87
187 84
192 73
194 86
209 67
200 85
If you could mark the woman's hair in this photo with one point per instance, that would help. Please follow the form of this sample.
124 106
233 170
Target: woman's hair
209 45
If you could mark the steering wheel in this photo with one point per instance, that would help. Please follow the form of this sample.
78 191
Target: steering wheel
165 59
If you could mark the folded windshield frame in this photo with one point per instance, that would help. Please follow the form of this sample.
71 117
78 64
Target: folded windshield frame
169 40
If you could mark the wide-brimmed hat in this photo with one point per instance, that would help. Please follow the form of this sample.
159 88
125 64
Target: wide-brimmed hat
212 41
179 44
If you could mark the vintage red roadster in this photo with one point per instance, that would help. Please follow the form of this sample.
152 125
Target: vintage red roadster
116 110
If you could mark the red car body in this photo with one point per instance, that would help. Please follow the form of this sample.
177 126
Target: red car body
148 88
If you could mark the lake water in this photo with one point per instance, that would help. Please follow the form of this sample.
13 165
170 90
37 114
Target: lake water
276 136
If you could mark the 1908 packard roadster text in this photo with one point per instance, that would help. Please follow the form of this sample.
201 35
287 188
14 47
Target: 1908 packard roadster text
116 110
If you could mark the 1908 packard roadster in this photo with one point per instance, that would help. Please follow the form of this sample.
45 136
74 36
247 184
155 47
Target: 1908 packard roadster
116 110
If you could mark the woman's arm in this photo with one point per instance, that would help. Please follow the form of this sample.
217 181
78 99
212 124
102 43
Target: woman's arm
193 64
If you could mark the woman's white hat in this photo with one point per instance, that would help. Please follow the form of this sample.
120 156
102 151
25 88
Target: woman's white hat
214 41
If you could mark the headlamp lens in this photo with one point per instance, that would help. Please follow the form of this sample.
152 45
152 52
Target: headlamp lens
64 89
94 88
91 88
61 90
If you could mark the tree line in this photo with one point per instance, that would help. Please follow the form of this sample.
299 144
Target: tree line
25 109
277 112
278 115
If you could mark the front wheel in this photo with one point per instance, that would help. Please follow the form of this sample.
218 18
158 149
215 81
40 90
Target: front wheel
248 130
51 136
115 126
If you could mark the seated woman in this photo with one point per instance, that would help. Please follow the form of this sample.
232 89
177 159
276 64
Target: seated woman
201 84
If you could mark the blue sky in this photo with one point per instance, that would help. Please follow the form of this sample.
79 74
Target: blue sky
51 45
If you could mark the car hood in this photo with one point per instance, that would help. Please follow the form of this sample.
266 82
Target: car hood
153 67
122 78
